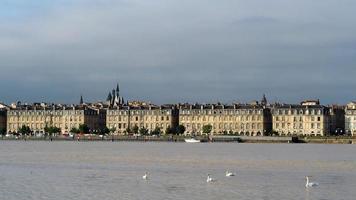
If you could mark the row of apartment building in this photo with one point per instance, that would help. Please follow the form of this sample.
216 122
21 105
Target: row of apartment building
254 119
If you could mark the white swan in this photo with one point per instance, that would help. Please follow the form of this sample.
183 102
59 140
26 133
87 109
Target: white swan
310 184
209 179
145 177
227 173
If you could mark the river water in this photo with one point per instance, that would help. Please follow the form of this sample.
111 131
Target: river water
113 170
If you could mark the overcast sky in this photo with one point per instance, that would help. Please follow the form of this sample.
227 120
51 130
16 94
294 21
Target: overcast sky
169 51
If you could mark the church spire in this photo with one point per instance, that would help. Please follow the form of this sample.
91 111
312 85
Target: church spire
81 100
109 97
264 100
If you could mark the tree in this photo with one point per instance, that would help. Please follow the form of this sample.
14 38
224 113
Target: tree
135 129
128 130
180 129
112 130
52 129
207 128
169 130
3 131
156 131
74 130
271 133
143 131
57 130
25 130
104 131
83 128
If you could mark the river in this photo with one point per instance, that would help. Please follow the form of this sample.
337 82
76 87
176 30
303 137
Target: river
113 170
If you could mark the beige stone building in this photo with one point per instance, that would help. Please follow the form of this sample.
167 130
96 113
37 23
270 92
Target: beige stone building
350 118
305 119
243 119
38 116
124 118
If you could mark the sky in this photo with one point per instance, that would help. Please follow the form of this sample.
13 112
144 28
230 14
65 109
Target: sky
170 51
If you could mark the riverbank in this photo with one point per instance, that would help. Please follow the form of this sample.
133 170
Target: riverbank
236 139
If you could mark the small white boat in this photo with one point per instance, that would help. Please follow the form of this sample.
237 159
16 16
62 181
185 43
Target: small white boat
192 140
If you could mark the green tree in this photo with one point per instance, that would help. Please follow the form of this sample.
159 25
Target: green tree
271 133
52 130
180 130
156 131
56 130
3 131
169 130
135 129
128 130
112 130
143 131
74 130
207 128
104 131
83 128
25 130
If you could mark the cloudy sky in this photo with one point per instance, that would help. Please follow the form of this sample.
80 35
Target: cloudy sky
169 51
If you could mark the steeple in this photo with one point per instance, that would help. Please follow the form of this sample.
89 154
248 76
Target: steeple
114 99
264 100
81 100
109 97
117 90
113 94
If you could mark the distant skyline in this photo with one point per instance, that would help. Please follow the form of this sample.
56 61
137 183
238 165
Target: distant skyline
178 51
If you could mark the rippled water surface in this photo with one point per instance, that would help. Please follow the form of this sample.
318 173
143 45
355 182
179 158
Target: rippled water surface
113 170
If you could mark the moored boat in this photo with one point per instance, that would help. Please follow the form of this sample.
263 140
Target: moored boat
191 140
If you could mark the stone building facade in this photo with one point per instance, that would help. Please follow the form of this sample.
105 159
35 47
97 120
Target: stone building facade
350 118
39 116
337 119
122 119
243 119
304 119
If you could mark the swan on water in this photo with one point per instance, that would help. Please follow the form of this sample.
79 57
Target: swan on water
209 179
227 173
145 177
310 184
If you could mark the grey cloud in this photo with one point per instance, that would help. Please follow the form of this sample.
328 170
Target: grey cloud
170 51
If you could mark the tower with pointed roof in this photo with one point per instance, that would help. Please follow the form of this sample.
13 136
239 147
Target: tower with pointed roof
108 99
114 98
264 100
81 100
117 90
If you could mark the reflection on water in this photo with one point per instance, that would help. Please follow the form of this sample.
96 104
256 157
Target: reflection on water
105 170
